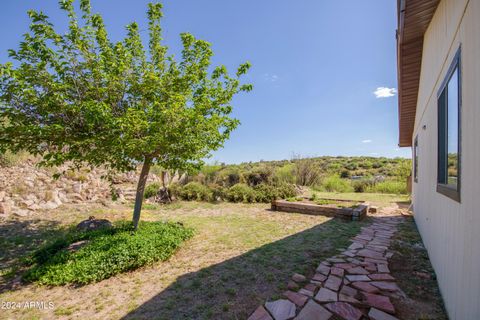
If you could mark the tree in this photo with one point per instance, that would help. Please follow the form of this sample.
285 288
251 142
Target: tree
80 98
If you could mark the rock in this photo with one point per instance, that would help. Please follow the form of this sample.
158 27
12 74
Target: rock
50 205
372 209
93 224
299 278
365 286
296 298
355 277
319 277
325 295
76 245
281 309
260 314
2 195
381 277
77 188
345 310
313 311
5 208
22 213
378 301
292 285
333 283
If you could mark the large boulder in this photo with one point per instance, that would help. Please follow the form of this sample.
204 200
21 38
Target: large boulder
93 224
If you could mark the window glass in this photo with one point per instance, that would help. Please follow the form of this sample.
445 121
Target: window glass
452 130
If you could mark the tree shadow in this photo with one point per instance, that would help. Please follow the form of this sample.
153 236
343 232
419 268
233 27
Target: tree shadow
233 288
19 238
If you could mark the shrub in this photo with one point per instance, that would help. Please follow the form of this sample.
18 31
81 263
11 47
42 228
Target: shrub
107 252
267 193
336 184
10 159
362 185
285 174
389 186
151 190
259 175
241 193
195 191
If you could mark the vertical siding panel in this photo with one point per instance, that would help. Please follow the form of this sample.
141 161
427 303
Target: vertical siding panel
451 230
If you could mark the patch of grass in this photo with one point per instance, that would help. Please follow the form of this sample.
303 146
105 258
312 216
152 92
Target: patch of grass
378 198
107 252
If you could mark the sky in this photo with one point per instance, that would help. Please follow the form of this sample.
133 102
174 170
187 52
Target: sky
324 72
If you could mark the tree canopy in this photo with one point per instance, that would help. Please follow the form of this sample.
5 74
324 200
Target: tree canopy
80 98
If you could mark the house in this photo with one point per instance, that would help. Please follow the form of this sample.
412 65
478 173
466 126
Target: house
438 44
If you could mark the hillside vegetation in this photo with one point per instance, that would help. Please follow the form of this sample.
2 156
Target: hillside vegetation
266 180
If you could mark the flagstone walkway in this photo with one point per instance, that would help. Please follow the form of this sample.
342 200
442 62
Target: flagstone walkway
353 285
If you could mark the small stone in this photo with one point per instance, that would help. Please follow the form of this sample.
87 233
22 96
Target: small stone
260 314
365 286
335 260
323 269
313 311
372 209
355 277
281 309
383 268
325 295
292 285
319 277
344 265
345 310
355 246
333 283
299 277
381 277
371 268
376 314
378 301
345 281
22 213
337 271
296 298
357 270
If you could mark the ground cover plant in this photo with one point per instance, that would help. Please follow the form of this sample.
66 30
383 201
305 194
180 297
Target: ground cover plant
104 253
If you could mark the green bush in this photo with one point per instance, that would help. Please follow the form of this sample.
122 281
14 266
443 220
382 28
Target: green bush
241 193
195 191
285 174
389 186
151 190
267 193
362 185
10 159
334 183
107 252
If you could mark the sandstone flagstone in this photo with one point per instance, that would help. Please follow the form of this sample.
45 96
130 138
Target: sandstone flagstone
380 302
299 277
357 270
296 297
355 277
305 292
313 311
339 272
365 286
387 286
281 309
260 314
333 283
345 310
326 295
381 277
319 277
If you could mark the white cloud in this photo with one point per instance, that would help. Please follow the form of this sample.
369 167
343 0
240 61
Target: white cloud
374 153
270 77
384 92
366 141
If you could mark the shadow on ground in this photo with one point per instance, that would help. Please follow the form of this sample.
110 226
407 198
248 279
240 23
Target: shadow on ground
18 238
234 288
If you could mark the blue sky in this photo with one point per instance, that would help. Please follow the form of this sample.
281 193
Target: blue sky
316 66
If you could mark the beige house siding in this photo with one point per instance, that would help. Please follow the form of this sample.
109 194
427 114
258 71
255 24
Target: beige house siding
451 230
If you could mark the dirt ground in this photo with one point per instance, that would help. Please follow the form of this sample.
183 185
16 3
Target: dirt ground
241 255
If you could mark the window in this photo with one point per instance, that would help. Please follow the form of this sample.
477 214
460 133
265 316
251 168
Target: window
415 160
449 128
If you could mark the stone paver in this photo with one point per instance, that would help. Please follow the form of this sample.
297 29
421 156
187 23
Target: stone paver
345 310
281 309
296 298
354 284
333 283
326 295
313 311
260 314
380 302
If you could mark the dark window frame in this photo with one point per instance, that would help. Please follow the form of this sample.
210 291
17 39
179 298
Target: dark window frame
442 141
415 159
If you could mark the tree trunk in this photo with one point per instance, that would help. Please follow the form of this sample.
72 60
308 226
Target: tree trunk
142 181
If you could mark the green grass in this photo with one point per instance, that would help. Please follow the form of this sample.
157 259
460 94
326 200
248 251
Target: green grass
106 253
